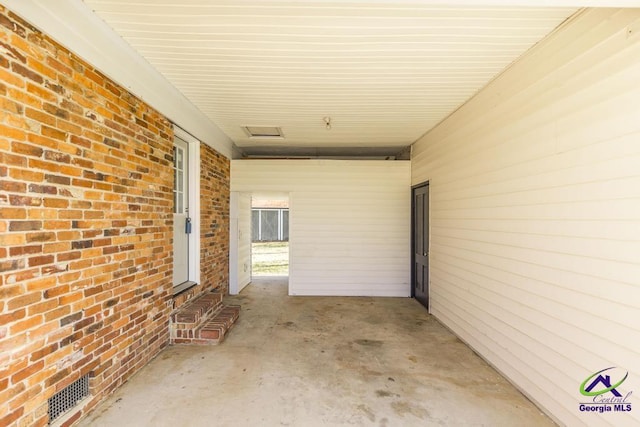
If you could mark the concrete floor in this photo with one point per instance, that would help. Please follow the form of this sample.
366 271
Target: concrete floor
312 361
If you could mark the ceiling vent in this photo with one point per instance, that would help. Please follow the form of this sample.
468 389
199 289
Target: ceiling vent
269 132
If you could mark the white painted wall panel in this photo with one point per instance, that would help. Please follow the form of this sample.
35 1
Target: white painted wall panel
349 222
535 215
240 242
244 240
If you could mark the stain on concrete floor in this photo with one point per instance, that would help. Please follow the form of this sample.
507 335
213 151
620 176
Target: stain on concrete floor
314 361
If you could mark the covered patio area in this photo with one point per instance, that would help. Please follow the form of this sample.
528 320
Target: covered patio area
306 361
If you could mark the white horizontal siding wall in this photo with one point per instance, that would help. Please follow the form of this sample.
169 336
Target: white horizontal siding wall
349 222
535 215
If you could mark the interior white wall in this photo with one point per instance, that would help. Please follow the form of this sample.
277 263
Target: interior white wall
239 242
349 222
535 215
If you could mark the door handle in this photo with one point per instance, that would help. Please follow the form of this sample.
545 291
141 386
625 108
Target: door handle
187 226
425 254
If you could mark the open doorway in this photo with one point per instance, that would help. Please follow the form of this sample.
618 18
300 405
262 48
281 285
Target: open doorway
258 241
269 235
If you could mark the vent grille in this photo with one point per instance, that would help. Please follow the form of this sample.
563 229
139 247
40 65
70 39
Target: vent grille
264 132
68 397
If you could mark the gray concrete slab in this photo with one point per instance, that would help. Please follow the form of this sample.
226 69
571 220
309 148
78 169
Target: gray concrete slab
315 361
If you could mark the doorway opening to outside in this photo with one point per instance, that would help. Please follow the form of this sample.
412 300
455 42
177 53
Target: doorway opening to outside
269 235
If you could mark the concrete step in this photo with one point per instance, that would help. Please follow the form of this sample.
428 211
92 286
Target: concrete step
204 320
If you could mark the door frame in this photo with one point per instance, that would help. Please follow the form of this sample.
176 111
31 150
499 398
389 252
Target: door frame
413 243
194 206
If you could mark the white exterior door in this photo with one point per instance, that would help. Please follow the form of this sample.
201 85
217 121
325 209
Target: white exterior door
181 220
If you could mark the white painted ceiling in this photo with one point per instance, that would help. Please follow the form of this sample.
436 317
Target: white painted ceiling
384 71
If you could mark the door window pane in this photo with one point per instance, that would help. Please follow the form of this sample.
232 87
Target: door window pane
179 183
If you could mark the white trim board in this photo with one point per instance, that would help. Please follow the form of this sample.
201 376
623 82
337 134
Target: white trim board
74 25
234 286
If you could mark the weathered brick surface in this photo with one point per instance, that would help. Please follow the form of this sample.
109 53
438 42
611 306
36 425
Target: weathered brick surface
85 226
197 309
202 320
214 219
217 327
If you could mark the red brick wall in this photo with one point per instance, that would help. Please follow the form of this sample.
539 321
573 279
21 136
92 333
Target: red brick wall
85 226
215 170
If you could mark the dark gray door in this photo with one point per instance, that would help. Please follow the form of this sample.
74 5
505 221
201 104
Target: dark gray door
421 244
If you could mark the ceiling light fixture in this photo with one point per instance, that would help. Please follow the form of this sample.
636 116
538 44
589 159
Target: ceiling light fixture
327 122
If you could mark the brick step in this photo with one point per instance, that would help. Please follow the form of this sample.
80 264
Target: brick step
204 320
194 312
215 329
